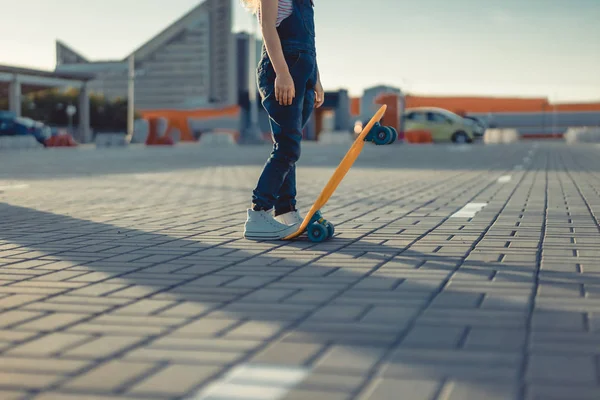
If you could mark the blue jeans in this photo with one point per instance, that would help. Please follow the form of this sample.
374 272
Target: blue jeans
277 184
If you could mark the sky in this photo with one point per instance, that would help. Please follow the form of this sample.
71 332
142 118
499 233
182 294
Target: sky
548 48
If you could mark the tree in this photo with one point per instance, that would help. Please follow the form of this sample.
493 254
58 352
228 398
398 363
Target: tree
49 106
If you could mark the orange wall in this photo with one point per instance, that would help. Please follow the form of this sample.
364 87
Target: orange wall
495 104
576 107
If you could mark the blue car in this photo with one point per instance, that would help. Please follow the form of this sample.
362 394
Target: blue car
11 125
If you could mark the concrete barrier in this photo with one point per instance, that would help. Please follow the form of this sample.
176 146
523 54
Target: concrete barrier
217 139
499 136
335 137
19 142
582 135
111 140
141 129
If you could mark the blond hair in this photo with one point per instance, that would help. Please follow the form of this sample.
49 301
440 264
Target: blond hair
251 5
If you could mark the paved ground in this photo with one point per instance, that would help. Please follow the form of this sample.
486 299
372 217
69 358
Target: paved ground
123 275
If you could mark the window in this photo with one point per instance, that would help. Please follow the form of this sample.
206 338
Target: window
437 118
416 116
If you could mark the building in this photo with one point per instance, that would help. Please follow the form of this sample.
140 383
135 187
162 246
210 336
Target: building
190 64
243 68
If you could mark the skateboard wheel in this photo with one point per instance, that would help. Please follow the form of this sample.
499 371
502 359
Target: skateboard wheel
382 136
317 232
394 134
330 229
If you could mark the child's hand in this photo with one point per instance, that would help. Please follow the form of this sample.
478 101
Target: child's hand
319 94
284 89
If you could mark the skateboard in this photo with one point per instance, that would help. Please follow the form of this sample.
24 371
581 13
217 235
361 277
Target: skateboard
318 229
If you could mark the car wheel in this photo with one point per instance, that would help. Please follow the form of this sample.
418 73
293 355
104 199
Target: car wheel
460 137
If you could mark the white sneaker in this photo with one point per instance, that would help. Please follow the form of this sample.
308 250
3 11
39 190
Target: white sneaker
260 225
290 218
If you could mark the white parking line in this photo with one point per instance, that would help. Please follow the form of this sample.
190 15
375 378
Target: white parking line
469 210
16 186
254 382
504 178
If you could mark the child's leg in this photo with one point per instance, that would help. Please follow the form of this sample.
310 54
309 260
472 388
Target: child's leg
286 200
286 124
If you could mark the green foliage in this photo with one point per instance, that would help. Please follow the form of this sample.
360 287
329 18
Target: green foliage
49 106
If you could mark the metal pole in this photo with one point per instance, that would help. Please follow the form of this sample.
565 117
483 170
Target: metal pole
130 98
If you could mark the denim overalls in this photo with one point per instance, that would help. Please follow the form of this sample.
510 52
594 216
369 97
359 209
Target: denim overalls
277 184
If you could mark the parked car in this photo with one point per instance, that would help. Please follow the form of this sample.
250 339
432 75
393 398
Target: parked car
444 125
479 126
10 125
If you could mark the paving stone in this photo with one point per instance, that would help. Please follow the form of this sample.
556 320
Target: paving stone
557 320
49 344
548 391
105 346
205 357
110 376
382 389
448 299
29 381
465 390
474 317
15 336
12 394
51 322
433 337
339 312
284 353
560 368
305 394
349 359
495 339
255 330
173 380
15 317
41 365
447 364
348 382
121 330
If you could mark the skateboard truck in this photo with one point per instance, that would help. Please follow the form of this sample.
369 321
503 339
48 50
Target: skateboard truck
382 135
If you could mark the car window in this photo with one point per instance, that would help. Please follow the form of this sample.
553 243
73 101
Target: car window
417 116
437 118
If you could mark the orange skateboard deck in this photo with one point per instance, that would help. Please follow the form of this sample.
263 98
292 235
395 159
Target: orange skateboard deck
334 182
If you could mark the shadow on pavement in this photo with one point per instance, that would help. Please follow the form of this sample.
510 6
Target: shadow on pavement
202 298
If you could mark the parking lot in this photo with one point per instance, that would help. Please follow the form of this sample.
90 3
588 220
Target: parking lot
457 272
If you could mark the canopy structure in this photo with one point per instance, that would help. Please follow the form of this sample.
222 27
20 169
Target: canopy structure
18 81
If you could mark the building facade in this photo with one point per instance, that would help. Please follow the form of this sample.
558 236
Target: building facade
190 64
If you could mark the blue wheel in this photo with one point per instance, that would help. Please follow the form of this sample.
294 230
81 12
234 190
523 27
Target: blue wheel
383 136
330 229
317 232
394 134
